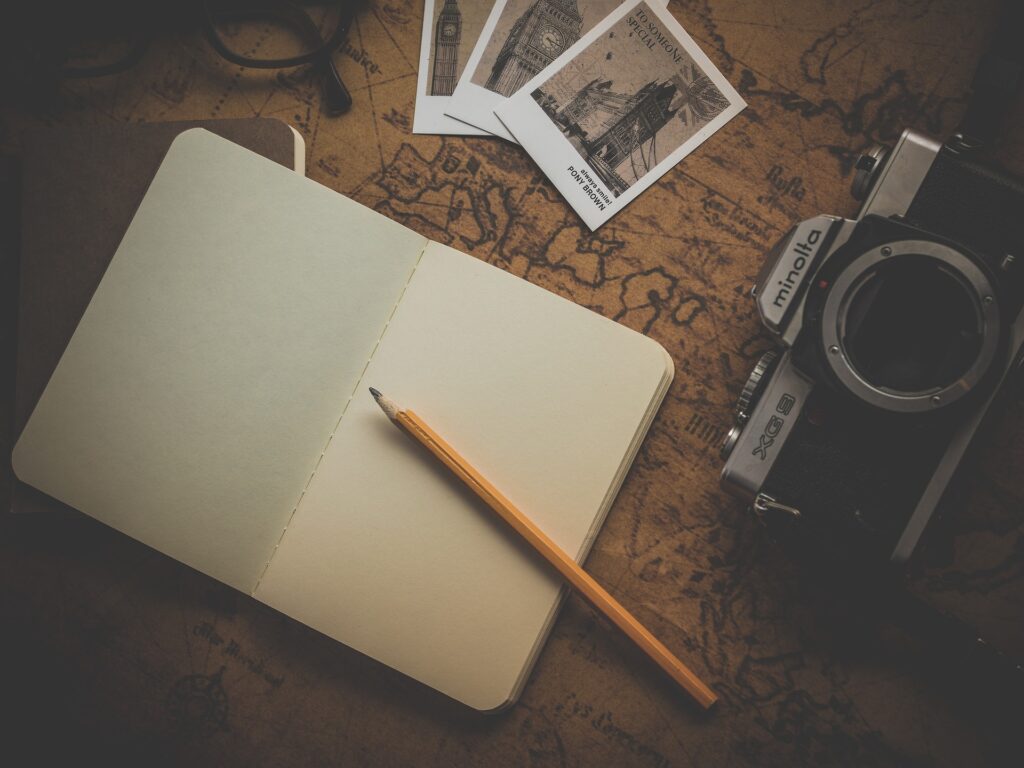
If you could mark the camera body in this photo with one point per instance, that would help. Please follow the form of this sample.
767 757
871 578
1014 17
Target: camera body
897 333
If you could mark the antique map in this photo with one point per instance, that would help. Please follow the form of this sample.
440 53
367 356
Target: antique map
121 652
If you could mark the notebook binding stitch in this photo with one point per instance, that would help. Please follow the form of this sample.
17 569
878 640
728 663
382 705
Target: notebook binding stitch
344 410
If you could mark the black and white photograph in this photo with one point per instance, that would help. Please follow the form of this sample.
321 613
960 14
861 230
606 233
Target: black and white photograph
450 30
529 35
624 105
457 23
625 112
520 40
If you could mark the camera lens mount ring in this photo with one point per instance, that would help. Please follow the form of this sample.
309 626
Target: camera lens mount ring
834 321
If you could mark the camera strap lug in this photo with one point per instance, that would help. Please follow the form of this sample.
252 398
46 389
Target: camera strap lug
763 503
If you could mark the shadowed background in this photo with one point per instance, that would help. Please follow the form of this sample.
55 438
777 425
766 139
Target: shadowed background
114 654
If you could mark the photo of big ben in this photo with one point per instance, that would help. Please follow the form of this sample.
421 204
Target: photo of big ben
537 38
530 34
447 36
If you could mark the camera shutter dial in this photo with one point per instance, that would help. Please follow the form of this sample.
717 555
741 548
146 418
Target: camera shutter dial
866 171
754 388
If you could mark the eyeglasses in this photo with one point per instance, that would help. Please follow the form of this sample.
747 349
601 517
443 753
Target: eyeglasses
261 34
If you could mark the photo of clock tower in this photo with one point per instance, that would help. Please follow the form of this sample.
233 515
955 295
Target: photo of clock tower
447 35
539 36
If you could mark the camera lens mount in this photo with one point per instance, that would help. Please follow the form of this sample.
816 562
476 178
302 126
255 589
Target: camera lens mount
910 326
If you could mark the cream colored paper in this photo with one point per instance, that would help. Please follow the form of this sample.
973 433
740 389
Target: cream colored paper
391 555
215 357
203 407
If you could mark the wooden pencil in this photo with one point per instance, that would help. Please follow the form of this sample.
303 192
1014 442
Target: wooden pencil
570 570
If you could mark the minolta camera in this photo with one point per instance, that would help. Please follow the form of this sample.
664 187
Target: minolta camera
897 333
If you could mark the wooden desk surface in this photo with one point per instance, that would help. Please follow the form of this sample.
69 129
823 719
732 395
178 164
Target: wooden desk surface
116 654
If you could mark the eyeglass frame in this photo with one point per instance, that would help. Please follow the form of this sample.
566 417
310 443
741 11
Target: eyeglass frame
337 98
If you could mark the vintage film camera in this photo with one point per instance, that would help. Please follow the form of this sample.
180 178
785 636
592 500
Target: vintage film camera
898 332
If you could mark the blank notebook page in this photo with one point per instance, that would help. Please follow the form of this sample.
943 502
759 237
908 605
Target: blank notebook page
214 359
389 554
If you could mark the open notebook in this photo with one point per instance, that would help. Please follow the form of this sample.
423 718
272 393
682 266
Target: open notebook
80 189
213 404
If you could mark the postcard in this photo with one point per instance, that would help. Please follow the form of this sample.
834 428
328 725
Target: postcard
520 39
450 30
619 109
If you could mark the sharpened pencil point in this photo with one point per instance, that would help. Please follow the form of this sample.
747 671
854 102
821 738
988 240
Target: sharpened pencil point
388 406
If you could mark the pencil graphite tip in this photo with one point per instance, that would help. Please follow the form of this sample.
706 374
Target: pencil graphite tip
388 406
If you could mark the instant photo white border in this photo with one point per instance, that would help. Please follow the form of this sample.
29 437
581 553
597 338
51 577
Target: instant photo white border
474 104
429 114
549 148
471 104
